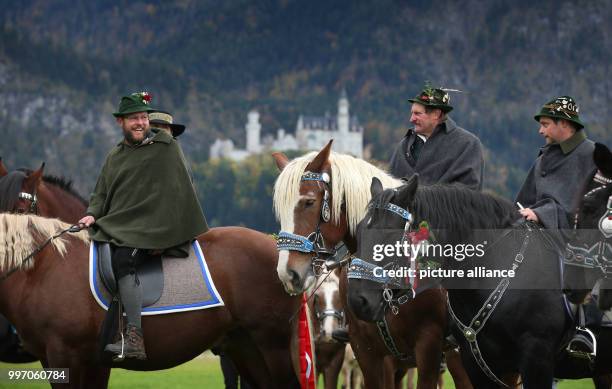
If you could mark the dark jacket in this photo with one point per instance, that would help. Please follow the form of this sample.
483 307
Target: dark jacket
451 154
556 178
144 197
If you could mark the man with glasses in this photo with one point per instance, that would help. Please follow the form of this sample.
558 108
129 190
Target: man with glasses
143 205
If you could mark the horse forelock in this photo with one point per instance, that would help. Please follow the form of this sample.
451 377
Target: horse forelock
350 183
22 234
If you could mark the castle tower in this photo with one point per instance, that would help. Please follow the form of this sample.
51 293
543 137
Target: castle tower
343 113
253 130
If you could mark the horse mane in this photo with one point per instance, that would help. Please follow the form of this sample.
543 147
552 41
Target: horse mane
350 184
20 235
62 183
458 209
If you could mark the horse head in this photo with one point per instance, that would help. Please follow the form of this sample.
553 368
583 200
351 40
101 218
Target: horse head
310 228
590 250
371 287
27 201
327 308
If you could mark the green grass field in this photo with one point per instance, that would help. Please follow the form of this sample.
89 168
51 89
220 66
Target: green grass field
202 372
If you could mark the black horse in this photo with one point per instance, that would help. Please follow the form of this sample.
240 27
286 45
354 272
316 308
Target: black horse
590 250
505 326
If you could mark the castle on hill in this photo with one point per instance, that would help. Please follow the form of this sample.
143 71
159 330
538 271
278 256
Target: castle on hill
311 133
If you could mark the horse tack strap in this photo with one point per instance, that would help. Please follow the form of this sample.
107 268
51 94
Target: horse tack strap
385 334
294 242
470 332
74 228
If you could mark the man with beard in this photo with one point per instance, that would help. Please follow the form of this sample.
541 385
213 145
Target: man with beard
143 205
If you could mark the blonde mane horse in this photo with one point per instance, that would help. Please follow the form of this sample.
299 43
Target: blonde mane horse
350 182
299 205
22 235
48 300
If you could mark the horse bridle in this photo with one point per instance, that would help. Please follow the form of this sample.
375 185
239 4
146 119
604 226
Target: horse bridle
599 255
360 269
313 243
31 197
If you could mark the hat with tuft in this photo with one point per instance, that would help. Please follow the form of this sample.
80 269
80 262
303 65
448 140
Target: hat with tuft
136 102
433 97
563 107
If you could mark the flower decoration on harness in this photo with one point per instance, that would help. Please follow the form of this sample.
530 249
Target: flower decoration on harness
422 237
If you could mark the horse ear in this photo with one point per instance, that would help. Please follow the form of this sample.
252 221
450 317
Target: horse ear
3 171
281 160
375 187
603 159
36 176
407 192
316 165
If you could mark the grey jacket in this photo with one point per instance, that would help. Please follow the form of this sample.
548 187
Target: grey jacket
451 154
556 179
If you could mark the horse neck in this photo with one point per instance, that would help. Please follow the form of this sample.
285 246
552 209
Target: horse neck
57 203
462 210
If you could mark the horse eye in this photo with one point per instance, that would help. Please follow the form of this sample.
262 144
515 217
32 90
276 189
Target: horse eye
309 203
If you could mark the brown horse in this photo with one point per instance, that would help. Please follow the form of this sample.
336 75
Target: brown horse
326 315
321 197
60 325
28 191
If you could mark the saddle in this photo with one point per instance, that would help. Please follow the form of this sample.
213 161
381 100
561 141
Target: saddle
149 272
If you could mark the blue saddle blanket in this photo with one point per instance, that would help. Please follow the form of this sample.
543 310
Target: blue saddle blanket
188 285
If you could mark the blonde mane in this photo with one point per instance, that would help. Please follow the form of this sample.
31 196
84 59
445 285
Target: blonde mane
20 235
350 183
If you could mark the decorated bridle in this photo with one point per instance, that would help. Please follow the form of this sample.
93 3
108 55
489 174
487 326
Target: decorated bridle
31 197
599 255
313 243
360 269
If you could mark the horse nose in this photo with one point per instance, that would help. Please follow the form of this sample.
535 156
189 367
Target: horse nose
295 277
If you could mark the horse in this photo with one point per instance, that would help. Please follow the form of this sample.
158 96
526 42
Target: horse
327 315
590 252
60 325
319 198
590 248
502 330
27 191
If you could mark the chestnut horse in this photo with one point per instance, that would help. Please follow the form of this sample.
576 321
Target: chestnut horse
26 191
327 314
51 306
321 197
260 341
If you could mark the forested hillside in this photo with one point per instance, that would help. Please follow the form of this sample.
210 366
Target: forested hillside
65 64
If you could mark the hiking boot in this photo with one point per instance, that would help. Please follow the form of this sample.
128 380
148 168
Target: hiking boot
131 347
340 335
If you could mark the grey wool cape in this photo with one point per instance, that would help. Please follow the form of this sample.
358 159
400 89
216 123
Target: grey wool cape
144 197
451 154
556 179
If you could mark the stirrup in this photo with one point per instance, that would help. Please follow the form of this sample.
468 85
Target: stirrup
121 356
583 336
